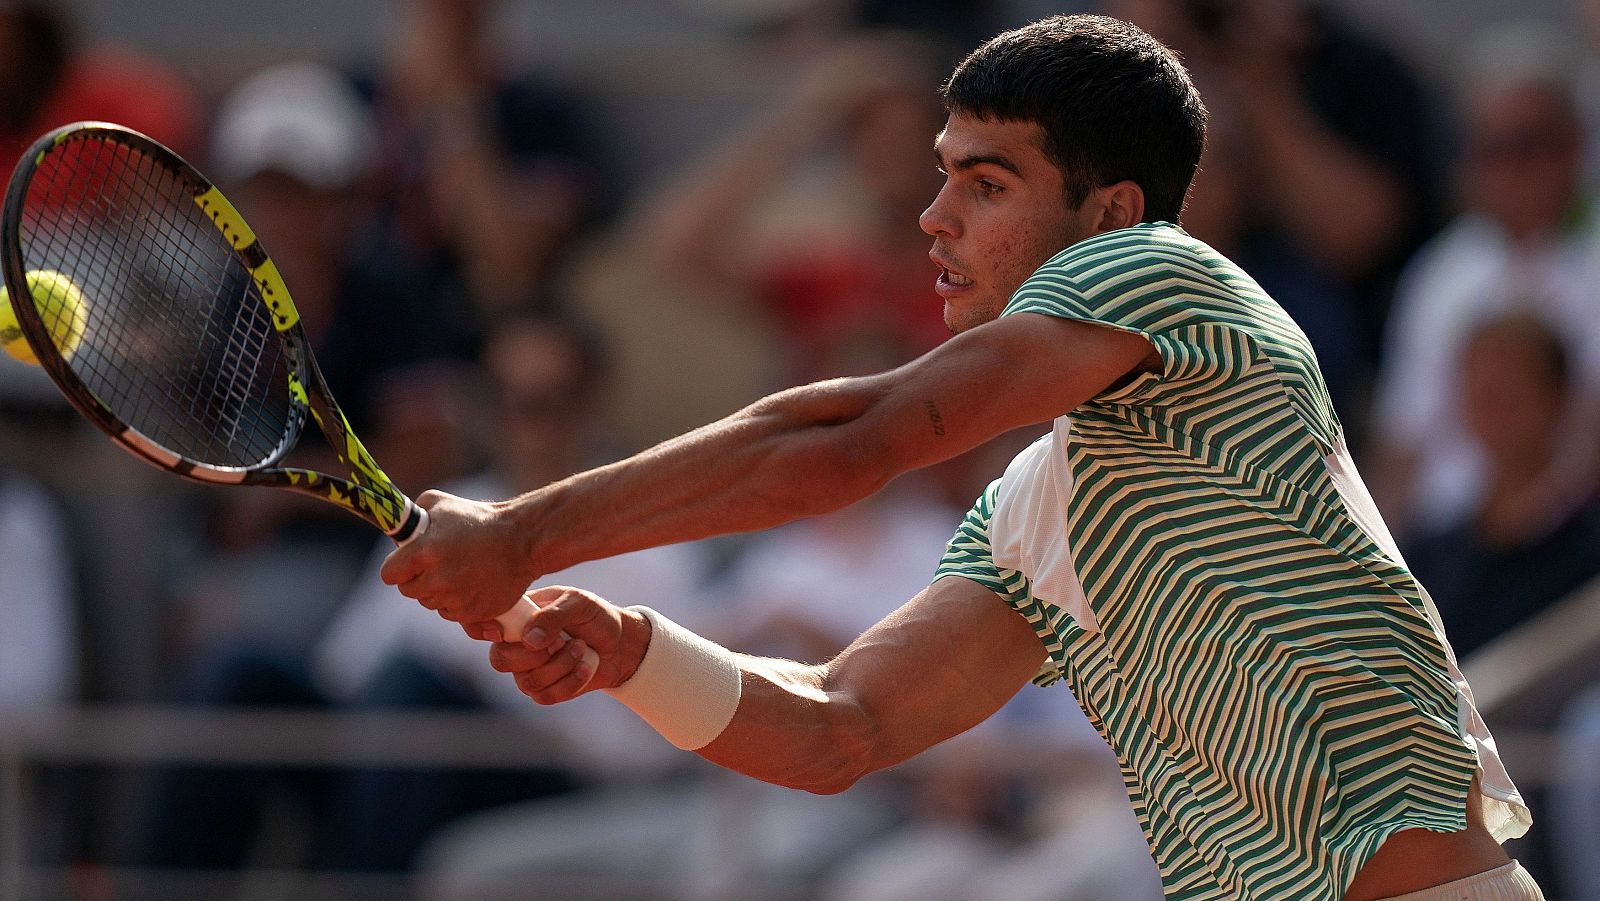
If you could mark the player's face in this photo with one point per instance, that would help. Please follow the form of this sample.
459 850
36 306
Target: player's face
1000 214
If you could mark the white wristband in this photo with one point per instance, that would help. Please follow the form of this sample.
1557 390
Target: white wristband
686 687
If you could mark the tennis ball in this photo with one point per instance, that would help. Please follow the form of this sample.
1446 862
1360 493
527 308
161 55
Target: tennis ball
60 305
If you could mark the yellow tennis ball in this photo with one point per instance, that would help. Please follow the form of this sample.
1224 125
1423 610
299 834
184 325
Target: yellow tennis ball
60 305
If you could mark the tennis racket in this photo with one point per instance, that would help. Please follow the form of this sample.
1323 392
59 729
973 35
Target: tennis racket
191 354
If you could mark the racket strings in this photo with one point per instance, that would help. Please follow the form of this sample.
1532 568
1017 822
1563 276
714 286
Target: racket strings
178 343
208 393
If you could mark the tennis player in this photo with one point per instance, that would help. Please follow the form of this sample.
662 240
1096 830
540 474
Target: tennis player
1190 547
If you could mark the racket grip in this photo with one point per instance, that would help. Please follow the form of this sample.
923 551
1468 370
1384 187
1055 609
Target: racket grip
416 523
514 622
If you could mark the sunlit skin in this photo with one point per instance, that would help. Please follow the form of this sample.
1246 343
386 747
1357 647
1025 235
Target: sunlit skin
1001 213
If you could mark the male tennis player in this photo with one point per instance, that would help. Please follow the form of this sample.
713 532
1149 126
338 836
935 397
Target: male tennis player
1190 546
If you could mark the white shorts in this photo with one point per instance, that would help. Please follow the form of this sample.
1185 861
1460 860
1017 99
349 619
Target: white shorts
1508 883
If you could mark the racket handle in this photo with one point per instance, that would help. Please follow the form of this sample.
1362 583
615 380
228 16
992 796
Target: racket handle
514 622
416 523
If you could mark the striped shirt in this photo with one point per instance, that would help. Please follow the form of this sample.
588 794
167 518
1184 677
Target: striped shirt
1205 570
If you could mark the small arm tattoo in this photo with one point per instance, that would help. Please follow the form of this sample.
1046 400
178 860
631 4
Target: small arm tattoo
934 418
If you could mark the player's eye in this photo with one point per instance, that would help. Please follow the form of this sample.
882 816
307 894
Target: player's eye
988 188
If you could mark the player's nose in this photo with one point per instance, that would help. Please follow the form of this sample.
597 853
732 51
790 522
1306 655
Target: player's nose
938 219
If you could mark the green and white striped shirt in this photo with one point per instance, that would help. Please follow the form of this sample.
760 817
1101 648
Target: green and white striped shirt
1207 572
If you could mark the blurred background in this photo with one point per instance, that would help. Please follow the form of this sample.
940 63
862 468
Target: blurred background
531 237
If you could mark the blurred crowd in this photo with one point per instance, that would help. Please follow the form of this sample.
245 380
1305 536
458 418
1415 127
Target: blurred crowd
504 285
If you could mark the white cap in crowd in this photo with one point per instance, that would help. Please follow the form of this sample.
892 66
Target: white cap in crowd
302 119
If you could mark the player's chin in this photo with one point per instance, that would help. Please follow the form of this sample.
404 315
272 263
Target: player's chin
959 318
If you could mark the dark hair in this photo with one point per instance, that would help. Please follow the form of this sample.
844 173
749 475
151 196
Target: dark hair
1114 104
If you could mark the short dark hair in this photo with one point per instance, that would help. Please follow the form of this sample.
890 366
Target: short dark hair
1113 102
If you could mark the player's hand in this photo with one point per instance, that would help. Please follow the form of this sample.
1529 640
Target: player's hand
576 643
470 565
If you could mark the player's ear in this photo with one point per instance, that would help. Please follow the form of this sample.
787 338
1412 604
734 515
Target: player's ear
1121 205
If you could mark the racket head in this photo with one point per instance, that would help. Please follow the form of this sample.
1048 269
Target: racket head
191 353
159 363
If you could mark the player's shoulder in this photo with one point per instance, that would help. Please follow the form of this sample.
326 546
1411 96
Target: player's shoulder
1139 257
1122 250
1128 269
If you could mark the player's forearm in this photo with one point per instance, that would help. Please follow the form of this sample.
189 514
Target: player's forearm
792 455
791 730
942 663
775 720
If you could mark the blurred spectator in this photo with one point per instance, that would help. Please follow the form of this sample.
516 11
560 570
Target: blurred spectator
488 173
44 645
293 146
837 263
38 600
290 147
1521 550
48 79
1575 797
1527 239
546 381
1337 130
1222 211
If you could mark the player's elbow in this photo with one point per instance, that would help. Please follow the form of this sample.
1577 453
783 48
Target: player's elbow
850 743
795 730
830 456
847 465
826 754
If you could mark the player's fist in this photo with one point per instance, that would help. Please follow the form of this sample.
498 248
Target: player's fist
575 643
470 565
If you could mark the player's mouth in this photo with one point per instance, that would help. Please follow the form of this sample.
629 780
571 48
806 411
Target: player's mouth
950 282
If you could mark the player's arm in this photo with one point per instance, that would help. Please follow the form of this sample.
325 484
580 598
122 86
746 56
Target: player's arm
942 663
801 452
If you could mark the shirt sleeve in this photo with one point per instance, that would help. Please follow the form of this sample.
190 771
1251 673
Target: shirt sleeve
971 556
